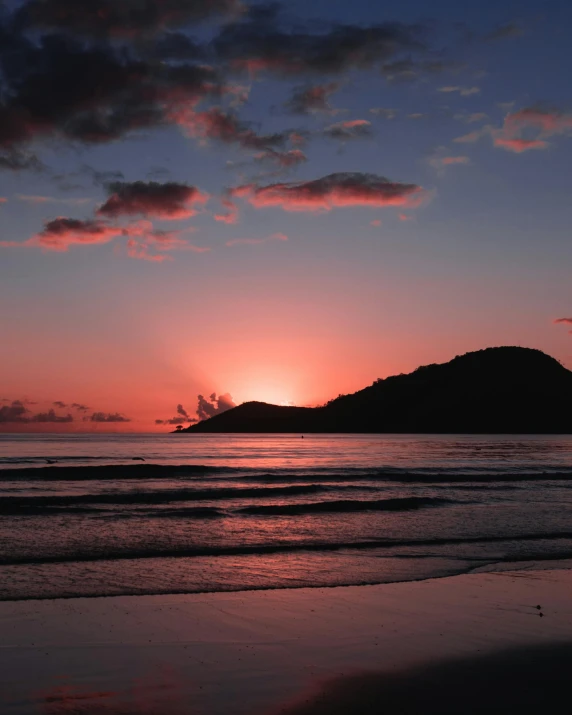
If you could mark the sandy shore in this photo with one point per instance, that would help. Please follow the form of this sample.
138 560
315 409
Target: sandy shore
473 643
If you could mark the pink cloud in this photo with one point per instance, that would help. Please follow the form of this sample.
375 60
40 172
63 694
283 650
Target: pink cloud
140 250
224 127
3 200
334 191
440 161
62 232
231 216
519 145
376 222
567 321
471 137
405 217
529 128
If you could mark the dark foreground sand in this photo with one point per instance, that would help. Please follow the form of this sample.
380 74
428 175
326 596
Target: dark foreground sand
467 644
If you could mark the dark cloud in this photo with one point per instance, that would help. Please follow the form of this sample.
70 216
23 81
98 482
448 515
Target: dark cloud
566 321
79 407
315 98
168 201
15 160
409 70
214 405
181 418
351 129
60 404
107 417
177 46
260 43
101 178
56 86
51 416
284 159
125 18
333 191
15 412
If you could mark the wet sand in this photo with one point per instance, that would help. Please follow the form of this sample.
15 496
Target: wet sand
465 644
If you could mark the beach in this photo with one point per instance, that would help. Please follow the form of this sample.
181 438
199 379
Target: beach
349 649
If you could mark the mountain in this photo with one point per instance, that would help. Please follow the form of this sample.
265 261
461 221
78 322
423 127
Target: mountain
496 390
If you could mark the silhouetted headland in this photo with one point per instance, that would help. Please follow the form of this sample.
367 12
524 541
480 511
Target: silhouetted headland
496 390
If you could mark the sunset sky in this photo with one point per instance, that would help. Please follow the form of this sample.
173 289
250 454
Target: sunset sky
273 202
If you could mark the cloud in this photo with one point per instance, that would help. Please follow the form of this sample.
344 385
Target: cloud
151 245
376 223
256 241
62 232
529 128
230 216
51 416
51 200
126 18
151 199
313 98
225 127
284 159
463 91
440 161
15 160
214 405
409 70
519 145
472 137
334 191
92 93
79 407
511 29
567 321
60 404
107 417
261 42
384 113
17 412
350 129
471 118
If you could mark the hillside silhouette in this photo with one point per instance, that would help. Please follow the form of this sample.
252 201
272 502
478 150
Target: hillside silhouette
496 390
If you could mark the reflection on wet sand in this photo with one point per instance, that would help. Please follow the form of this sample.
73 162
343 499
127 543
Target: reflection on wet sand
524 681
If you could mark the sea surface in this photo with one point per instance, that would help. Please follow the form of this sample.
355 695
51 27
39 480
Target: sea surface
207 513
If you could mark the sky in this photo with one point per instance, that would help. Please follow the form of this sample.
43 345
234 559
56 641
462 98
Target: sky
206 202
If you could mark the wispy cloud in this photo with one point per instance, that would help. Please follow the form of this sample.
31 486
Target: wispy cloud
257 241
334 191
463 91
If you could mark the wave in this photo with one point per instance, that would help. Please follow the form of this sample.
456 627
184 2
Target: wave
397 504
39 504
257 475
287 547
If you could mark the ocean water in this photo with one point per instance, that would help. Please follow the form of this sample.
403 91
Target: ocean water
234 512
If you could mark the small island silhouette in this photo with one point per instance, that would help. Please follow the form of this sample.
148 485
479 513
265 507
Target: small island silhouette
502 390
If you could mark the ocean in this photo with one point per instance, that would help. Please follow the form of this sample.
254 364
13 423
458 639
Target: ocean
205 513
